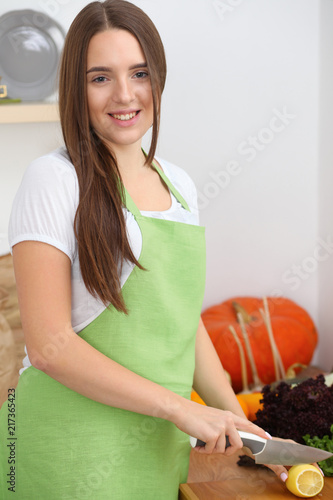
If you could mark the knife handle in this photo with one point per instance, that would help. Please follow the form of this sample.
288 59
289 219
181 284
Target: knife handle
252 441
197 442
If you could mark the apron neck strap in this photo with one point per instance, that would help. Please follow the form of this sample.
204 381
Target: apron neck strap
131 206
173 190
127 200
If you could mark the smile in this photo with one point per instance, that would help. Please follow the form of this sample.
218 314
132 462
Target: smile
125 117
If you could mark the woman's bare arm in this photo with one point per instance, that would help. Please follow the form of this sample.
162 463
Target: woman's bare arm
210 380
213 386
43 277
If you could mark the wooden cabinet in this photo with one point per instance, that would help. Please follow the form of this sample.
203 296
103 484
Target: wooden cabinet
29 112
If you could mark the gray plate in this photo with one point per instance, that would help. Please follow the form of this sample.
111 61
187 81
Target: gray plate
30 48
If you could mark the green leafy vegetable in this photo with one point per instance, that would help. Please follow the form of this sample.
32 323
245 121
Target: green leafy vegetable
292 412
324 443
302 410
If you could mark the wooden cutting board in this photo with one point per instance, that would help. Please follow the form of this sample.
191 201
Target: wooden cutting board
213 477
241 489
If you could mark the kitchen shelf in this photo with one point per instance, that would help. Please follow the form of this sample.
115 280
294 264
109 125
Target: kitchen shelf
29 112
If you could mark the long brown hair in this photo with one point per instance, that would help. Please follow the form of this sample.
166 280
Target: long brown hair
99 225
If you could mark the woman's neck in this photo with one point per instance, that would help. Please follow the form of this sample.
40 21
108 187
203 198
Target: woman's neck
130 159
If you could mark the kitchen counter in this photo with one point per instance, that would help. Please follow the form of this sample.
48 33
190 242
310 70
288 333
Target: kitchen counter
216 477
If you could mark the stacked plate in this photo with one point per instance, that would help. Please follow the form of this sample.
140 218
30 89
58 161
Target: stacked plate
30 48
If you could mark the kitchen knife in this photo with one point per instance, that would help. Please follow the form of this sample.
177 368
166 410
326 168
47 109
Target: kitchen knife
269 451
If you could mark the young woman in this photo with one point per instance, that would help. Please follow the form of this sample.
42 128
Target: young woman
110 267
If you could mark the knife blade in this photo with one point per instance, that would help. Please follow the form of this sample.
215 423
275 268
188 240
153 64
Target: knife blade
269 451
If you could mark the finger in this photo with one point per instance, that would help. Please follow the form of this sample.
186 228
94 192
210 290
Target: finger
248 452
280 471
208 448
259 431
246 425
316 465
235 441
220 446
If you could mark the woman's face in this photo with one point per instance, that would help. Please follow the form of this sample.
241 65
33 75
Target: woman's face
120 100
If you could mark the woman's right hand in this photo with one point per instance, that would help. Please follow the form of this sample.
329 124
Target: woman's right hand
212 425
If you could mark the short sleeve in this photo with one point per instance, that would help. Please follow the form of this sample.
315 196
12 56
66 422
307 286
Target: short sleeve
45 205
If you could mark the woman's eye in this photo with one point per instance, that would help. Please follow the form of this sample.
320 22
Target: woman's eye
141 74
99 79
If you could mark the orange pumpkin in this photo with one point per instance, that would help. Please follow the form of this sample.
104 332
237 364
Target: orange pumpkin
197 399
252 402
294 333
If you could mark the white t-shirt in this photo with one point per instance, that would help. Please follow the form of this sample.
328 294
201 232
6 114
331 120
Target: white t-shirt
44 209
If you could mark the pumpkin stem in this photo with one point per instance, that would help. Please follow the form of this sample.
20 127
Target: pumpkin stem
278 365
272 343
242 359
247 318
256 380
269 326
291 373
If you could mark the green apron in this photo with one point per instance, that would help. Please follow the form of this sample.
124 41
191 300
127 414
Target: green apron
70 447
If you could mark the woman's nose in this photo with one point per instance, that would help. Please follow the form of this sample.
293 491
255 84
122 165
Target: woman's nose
123 92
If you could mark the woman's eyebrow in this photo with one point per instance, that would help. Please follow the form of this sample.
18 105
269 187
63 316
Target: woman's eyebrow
105 69
139 65
97 69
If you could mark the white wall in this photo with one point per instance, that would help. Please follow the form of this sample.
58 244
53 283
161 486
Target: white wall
226 79
235 67
325 198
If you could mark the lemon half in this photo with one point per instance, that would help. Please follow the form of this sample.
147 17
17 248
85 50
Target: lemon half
304 480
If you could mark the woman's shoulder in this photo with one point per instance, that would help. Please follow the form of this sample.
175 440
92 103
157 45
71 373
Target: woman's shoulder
56 162
52 173
45 203
180 179
48 182
174 172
